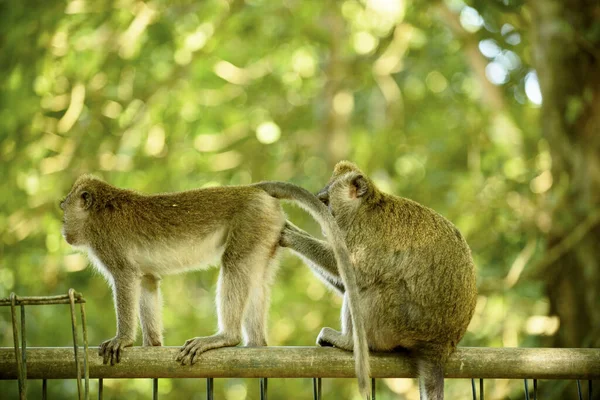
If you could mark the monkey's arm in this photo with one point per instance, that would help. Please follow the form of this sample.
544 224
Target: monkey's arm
317 254
126 294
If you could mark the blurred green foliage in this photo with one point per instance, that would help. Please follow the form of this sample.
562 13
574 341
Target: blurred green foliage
436 101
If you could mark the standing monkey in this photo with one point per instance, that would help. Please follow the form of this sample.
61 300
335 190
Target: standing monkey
134 239
415 274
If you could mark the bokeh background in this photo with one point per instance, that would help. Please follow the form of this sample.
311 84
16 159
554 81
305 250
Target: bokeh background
486 111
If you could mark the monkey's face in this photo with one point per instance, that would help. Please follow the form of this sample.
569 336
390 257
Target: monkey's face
75 208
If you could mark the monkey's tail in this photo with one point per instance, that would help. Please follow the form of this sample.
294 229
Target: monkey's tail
309 202
431 378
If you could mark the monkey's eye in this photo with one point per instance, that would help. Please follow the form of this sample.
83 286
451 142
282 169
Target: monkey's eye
61 203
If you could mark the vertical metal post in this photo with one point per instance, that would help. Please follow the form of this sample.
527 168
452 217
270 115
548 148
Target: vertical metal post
210 389
86 364
263 388
75 346
579 390
20 375
481 392
155 389
535 389
590 389
44 389
373 388
316 388
473 390
100 389
526 389
23 345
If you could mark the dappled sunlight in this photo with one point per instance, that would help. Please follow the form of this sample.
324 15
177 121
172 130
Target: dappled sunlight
440 103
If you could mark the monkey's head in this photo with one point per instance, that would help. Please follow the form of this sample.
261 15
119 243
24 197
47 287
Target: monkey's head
77 207
347 188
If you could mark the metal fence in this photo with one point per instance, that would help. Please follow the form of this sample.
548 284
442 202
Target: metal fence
22 364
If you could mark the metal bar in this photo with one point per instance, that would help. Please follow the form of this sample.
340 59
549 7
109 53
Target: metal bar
44 389
20 377
23 347
535 389
526 389
41 300
579 390
155 389
100 388
305 362
473 390
210 389
590 389
373 388
263 388
75 346
316 388
481 392
86 363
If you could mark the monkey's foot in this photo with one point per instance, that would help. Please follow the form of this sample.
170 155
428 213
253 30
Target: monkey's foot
113 348
152 342
193 348
332 338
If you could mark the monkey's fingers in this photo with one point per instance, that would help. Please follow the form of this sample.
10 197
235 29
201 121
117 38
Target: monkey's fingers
102 349
185 349
191 351
106 355
119 351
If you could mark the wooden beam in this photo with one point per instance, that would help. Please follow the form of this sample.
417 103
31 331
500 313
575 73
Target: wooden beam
301 362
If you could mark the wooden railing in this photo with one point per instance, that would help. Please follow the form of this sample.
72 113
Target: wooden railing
82 363
302 362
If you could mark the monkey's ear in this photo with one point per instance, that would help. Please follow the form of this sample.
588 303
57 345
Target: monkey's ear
87 198
359 186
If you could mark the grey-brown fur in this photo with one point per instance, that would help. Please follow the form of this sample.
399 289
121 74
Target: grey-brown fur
414 270
134 239
356 338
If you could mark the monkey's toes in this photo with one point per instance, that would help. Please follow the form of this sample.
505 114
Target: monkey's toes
190 351
324 339
324 343
111 350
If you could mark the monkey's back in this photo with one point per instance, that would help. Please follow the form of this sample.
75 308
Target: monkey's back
174 232
432 278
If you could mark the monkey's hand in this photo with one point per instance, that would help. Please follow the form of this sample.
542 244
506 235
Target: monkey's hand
193 348
113 348
288 233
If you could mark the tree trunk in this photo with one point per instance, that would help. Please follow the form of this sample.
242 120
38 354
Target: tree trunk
566 54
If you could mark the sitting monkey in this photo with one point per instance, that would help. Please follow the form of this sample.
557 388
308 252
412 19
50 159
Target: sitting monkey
414 270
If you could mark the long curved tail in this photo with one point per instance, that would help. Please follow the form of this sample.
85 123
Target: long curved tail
305 199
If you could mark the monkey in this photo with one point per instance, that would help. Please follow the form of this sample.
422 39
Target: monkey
415 273
134 239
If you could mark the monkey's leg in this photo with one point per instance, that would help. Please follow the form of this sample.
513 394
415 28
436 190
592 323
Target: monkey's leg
342 340
317 254
233 290
255 317
150 311
126 295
